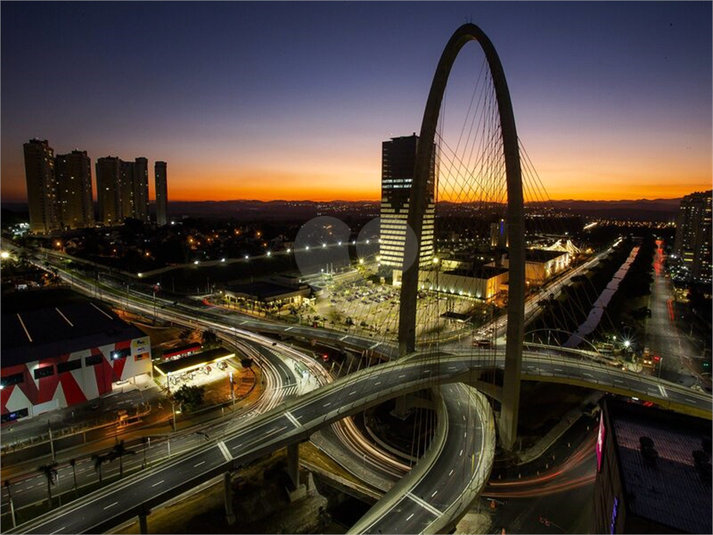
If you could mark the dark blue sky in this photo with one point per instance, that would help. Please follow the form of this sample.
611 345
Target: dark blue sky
292 100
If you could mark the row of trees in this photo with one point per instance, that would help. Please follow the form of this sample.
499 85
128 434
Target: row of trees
49 470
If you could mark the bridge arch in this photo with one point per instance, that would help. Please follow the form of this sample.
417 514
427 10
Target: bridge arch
417 209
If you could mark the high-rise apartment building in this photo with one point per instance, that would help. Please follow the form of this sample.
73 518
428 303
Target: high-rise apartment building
109 190
693 234
398 158
41 186
141 189
73 172
161 193
126 178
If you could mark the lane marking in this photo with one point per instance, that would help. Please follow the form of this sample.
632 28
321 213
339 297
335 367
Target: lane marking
402 376
236 447
450 473
289 329
115 503
224 449
663 392
377 383
294 420
427 506
690 400
461 453
409 517
434 493
197 465
157 483
344 337
353 392
60 529
327 404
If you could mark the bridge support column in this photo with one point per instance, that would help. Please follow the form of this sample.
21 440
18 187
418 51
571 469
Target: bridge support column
143 521
293 463
228 488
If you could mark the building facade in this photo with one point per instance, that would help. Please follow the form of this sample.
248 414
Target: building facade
64 354
41 186
161 193
693 235
109 190
398 158
141 189
73 173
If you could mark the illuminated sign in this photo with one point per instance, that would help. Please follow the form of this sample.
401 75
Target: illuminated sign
140 346
600 442
614 513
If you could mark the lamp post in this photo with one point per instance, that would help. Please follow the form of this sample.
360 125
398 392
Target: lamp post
660 366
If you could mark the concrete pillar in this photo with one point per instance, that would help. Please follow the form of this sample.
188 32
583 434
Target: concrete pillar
293 463
143 523
400 411
228 488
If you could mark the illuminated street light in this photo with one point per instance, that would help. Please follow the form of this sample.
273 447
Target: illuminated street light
196 262
324 245
4 254
222 259
306 247
246 257
141 275
288 251
627 343
269 253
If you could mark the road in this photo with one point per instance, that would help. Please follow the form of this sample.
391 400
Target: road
664 337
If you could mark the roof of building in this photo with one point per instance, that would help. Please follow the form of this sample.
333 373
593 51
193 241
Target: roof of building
670 490
194 361
542 255
479 272
267 290
47 323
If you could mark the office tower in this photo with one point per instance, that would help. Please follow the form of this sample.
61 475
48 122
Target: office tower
141 189
109 190
693 234
161 193
398 157
73 173
499 234
41 186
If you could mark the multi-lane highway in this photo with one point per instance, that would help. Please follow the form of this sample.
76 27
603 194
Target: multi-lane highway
294 420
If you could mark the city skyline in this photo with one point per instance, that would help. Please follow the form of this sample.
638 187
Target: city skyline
247 102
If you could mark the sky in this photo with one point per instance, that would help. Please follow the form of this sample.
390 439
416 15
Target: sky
275 100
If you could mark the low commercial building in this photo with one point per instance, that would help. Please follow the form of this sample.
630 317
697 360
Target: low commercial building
541 264
266 292
59 349
483 282
653 471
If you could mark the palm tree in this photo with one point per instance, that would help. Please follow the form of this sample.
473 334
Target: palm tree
73 463
98 461
118 451
50 472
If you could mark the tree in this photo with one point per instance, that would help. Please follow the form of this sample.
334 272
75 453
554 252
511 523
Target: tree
50 472
209 338
189 398
118 452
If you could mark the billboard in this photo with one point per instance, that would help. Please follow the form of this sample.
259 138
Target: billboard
600 441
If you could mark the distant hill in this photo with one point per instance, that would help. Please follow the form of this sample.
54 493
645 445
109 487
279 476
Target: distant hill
638 210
